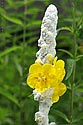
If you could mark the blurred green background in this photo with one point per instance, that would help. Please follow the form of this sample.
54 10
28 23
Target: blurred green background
20 23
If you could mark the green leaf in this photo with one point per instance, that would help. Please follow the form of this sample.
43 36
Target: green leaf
78 118
33 24
13 20
9 1
64 28
70 66
19 67
80 89
67 52
5 34
16 4
9 50
3 113
2 11
79 57
31 10
62 115
9 96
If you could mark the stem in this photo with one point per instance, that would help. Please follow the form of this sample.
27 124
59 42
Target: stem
45 103
74 68
72 94
22 112
2 22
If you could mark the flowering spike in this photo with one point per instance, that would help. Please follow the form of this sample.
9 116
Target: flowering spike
46 75
47 41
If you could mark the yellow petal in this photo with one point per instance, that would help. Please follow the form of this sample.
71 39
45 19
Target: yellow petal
38 61
60 74
55 98
48 69
50 58
41 89
53 81
55 60
62 89
60 64
32 80
34 68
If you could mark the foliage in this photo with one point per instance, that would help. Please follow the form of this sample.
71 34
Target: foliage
20 23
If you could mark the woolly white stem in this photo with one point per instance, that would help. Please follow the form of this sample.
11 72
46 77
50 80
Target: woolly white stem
47 46
45 102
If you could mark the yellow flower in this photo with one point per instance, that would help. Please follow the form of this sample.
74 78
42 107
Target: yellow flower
41 77
44 76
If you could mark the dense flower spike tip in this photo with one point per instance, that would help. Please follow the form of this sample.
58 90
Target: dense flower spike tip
44 76
47 41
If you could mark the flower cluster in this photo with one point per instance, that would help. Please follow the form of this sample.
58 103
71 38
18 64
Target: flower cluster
49 75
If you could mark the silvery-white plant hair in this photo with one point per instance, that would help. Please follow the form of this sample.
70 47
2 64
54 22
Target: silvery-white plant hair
47 42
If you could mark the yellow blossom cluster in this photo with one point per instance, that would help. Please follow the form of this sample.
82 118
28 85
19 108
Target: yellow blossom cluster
49 75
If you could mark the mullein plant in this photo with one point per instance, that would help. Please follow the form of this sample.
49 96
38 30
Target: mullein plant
46 74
